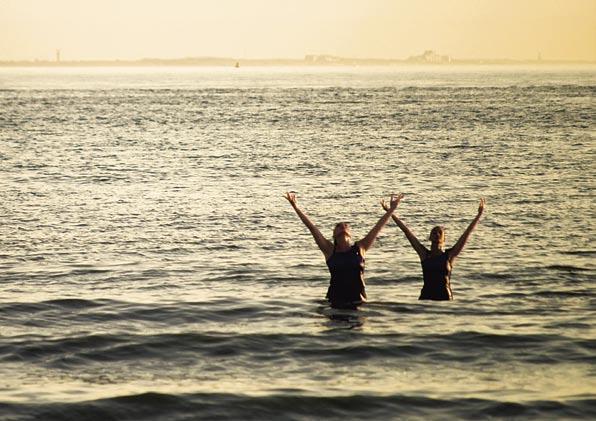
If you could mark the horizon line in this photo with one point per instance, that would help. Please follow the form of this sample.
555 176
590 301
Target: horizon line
428 57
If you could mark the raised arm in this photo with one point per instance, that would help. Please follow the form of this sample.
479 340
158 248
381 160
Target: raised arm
325 245
367 242
459 246
416 245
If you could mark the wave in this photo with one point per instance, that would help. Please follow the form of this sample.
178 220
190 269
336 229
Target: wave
335 347
295 406
567 268
68 313
84 311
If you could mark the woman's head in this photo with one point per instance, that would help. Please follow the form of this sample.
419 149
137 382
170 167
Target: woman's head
437 235
342 230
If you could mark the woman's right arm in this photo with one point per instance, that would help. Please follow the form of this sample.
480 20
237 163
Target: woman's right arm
416 245
325 245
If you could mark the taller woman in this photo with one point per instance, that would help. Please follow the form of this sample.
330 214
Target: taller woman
437 262
344 259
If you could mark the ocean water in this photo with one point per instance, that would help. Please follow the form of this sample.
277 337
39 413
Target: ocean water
151 269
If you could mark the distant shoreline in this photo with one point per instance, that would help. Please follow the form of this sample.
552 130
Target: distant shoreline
314 61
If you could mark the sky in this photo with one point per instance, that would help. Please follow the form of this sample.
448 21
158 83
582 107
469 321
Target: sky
134 29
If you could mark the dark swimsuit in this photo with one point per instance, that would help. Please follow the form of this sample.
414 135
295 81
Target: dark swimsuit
437 277
346 288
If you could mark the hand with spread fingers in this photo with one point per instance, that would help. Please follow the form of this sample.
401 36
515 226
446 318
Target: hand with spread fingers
393 202
481 206
367 242
291 197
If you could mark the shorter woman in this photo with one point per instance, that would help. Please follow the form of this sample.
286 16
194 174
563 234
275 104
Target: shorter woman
344 259
437 262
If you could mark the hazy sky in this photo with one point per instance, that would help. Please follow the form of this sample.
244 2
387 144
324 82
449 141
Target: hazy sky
131 29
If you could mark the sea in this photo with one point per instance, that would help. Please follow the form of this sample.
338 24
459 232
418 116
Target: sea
151 268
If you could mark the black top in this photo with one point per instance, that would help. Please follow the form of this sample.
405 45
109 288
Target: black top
346 287
436 271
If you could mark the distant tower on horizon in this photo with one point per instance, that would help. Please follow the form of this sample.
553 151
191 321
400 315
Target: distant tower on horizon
57 55
539 56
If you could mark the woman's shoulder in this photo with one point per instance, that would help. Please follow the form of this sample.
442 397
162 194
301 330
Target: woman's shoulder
357 247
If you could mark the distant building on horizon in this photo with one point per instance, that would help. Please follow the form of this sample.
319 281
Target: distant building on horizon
429 56
321 59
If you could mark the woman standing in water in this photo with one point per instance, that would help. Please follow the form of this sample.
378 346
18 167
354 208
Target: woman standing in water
437 262
344 259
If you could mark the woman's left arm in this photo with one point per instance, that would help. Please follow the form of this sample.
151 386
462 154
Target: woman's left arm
367 242
459 246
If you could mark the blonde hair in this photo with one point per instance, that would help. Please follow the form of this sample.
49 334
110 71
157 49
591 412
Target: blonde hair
437 228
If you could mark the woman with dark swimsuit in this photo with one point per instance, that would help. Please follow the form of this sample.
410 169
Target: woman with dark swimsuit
344 259
437 262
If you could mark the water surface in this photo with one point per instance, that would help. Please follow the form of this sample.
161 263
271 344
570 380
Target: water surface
150 267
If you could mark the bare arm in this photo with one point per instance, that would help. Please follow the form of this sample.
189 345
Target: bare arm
367 242
416 245
459 246
325 245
